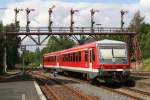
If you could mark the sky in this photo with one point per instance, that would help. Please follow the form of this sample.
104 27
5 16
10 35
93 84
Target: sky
104 1
108 15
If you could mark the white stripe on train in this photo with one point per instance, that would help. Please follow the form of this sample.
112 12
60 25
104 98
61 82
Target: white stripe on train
82 69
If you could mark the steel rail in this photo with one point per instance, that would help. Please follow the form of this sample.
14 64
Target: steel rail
122 93
48 91
81 95
138 91
112 90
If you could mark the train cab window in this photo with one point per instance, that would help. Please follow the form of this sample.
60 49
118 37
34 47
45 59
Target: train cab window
86 55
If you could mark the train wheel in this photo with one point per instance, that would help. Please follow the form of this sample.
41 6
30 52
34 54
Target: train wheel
65 73
88 78
130 83
54 73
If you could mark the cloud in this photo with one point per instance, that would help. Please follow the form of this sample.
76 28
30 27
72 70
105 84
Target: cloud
61 15
109 13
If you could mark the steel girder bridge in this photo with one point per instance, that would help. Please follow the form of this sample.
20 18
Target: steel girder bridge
67 31
128 34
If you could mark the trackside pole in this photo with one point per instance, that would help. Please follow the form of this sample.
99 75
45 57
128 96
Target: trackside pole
23 49
5 56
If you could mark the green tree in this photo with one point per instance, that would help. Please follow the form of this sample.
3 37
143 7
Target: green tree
37 57
12 45
28 57
137 22
143 32
57 43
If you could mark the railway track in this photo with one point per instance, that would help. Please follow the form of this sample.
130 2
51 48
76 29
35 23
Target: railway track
58 90
138 91
132 93
142 73
122 91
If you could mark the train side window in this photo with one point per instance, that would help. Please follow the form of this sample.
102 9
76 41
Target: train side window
66 57
70 57
54 58
73 57
76 56
49 59
79 56
92 55
63 57
86 55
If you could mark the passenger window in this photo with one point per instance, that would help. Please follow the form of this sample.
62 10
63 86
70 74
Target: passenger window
92 55
80 56
86 55
74 57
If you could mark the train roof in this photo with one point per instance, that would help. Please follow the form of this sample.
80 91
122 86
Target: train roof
106 41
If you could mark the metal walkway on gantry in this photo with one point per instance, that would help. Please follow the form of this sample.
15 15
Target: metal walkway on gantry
68 31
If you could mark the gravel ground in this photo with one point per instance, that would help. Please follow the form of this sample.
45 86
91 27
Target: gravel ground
89 89
143 84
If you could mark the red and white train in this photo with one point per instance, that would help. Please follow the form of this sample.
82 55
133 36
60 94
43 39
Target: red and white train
105 59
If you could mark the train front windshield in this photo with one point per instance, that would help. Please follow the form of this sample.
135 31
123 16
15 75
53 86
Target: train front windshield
113 54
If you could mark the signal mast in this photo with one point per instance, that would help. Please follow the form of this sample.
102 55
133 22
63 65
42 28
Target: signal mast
16 10
123 12
27 18
50 11
71 19
92 19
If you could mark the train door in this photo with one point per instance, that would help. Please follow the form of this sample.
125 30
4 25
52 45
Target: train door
91 58
86 58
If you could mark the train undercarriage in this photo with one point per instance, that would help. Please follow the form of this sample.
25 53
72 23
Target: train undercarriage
122 77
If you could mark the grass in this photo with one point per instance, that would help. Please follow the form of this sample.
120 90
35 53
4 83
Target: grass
146 65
